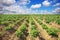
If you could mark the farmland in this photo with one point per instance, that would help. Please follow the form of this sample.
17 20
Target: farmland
30 27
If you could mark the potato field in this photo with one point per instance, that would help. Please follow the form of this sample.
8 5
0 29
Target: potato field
30 27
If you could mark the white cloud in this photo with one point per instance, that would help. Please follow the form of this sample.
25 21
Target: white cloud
0 1
5 3
1 7
57 11
11 6
45 12
57 4
36 6
46 3
16 9
24 2
8 2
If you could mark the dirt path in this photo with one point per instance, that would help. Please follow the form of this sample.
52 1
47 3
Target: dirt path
14 37
55 25
43 32
2 28
59 36
28 37
2 31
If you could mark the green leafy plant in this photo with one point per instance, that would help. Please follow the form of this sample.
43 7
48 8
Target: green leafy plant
33 27
23 28
10 27
48 20
58 21
34 33
19 33
0 33
44 26
40 22
52 31
5 23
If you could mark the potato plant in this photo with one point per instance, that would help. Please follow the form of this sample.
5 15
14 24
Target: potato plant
0 33
21 30
10 27
34 33
58 21
33 29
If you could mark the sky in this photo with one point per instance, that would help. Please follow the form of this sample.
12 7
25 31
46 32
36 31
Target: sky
30 6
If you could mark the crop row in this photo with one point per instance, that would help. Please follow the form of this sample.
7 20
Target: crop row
50 31
34 32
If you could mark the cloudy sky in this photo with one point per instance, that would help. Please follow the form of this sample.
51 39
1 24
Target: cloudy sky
30 6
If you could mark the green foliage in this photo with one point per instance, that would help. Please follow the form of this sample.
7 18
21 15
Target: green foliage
52 31
48 20
32 22
34 33
7 19
22 28
4 23
58 21
0 33
33 27
19 33
40 22
44 26
10 27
